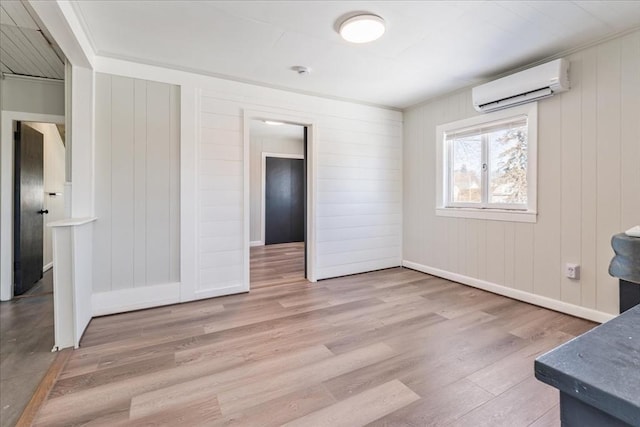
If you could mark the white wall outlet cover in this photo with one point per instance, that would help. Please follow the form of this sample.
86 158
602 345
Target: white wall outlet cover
572 271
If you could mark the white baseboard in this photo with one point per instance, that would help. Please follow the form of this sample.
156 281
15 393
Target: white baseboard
47 267
228 290
124 300
256 243
550 303
357 268
134 299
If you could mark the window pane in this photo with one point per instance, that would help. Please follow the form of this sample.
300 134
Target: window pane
507 156
466 170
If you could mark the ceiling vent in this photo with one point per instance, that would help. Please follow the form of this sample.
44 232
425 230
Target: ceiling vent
529 85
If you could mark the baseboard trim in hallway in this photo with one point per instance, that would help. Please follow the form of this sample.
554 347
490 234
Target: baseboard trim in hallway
44 388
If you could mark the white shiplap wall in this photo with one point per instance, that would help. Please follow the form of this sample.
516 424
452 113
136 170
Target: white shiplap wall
588 190
359 197
355 162
136 236
358 158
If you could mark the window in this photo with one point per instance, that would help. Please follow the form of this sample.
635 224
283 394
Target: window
486 166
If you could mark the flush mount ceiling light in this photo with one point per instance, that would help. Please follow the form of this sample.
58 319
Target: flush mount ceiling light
273 123
362 28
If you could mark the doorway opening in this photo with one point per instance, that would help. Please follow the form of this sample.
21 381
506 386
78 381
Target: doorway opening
278 197
38 199
29 311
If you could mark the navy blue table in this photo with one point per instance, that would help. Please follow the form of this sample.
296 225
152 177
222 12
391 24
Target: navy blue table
598 374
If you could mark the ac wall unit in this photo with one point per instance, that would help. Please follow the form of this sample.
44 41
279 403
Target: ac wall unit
529 85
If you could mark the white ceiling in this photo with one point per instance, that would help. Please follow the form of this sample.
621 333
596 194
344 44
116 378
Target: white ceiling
429 48
24 49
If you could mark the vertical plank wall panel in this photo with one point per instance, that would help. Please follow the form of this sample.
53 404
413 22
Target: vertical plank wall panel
136 241
158 182
471 248
608 172
411 184
102 228
588 186
630 131
122 199
437 243
509 254
546 263
452 108
453 246
424 192
482 249
523 254
174 184
589 166
462 246
495 244
571 189
140 188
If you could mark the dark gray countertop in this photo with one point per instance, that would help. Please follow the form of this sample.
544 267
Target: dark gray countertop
600 368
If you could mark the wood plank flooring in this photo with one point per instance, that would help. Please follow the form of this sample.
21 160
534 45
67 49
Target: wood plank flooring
389 348
26 339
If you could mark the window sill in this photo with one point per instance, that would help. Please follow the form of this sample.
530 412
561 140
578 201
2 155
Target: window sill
488 214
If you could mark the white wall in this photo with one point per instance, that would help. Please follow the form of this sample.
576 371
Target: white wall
356 181
356 154
32 95
136 236
54 179
588 190
284 139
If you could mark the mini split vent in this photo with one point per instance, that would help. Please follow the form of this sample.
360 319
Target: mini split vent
526 86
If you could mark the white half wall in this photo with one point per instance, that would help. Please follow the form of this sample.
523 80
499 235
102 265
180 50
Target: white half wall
588 189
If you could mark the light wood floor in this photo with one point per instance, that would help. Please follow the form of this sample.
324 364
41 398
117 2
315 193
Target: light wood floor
26 339
393 347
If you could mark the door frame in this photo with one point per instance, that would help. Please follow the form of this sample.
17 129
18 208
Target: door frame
7 155
284 116
263 185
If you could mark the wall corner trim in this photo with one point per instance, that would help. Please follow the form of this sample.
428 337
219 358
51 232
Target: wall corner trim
539 300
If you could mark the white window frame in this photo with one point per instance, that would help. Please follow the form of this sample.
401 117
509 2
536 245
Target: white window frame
498 212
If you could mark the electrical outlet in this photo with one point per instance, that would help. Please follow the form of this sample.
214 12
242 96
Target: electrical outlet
572 271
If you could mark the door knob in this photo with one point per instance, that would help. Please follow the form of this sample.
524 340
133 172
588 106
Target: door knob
45 211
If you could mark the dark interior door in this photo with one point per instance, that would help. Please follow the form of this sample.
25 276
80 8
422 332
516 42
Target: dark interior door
284 200
304 198
28 208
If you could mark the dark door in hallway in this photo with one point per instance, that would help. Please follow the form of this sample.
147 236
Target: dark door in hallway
284 200
28 208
